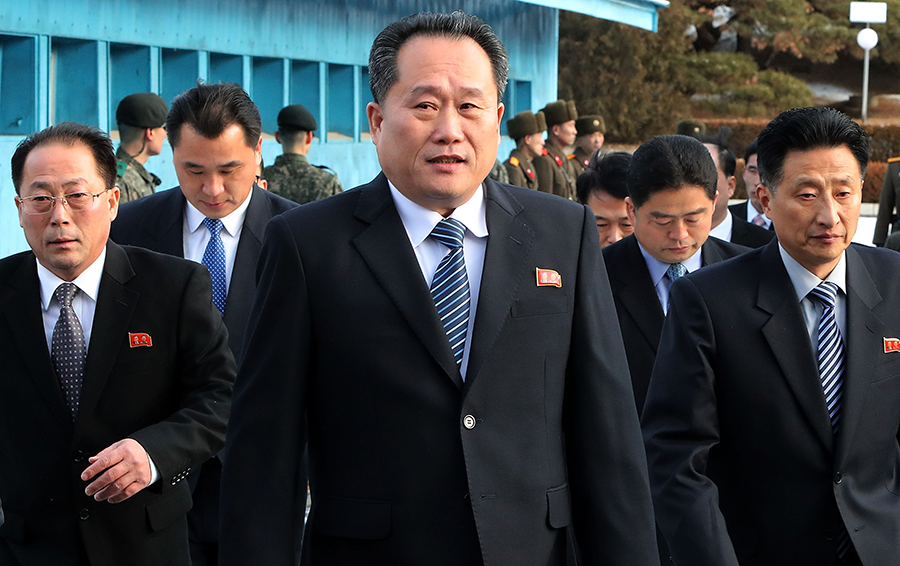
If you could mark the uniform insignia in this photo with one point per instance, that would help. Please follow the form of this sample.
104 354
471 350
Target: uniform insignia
138 339
121 166
545 152
558 160
548 278
893 159
586 161
572 156
891 345
514 161
530 173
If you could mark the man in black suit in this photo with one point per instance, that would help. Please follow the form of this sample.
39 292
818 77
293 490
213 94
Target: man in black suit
726 225
489 449
214 130
772 419
672 194
117 374
751 210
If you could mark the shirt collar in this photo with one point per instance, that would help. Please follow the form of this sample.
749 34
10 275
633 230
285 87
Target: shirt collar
804 281
658 268
723 230
420 221
88 281
232 223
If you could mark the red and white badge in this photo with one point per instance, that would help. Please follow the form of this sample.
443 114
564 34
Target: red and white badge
891 345
548 278
138 339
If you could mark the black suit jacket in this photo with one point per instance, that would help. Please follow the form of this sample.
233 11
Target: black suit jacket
740 211
172 397
408 464
887 203
748 234
155 222
637 304
744 464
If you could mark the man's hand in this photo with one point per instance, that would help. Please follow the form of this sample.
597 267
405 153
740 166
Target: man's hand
122 470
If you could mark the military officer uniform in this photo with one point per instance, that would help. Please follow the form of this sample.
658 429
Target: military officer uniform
292 176
586 125
555 171
139 110
521 170
519 166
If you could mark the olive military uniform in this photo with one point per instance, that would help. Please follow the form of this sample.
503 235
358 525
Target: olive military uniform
293 177
521 170
132 179
555 172
580 159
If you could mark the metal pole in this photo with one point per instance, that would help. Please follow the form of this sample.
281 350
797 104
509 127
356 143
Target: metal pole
865 92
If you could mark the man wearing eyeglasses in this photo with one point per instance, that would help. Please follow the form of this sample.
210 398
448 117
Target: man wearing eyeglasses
116 376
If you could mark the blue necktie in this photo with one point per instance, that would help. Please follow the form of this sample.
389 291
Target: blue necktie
67 347
674 271
830 357
450 287
214 260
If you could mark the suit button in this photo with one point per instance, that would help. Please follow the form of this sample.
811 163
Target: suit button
838 477
84 514
829 534
469 422
78 456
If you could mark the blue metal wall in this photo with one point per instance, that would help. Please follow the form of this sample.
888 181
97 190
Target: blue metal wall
74 60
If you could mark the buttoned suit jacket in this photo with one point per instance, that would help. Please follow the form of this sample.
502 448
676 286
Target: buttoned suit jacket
744 464
637 305
748 234
156 222
408 463
173 397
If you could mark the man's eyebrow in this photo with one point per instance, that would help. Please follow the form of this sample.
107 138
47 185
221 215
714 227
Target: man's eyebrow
657 214
435 90
231 164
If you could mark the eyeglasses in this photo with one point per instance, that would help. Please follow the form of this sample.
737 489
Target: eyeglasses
42 204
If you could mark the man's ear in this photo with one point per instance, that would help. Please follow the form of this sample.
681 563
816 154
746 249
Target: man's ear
376 116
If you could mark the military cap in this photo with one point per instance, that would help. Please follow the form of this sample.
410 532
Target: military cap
690 128
296 117
560 111
541 120
142 110
590 124
524 124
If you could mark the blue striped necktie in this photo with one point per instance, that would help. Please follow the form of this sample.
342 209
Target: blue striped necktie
830 356
214 260
450 287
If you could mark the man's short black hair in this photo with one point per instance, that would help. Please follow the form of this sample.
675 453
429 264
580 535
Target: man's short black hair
605 173
383 57
724 156
670 162
210 108
69 134
751 150
804 129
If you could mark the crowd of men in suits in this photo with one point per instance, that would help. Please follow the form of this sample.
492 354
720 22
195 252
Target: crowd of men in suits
474 380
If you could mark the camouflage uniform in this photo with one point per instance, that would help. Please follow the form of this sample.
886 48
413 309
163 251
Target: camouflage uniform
521 170
498 172
294 178
132 179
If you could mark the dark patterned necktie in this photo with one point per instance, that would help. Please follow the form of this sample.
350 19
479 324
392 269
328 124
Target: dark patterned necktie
214 260
67 347
450 287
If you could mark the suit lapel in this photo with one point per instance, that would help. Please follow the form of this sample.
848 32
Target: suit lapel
384 246
787 336
638 295
508 246
863 347
710 253
243 276
115 305
165 227
22 310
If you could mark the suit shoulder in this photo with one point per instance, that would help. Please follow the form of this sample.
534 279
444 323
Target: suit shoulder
157 263
278 204
11 263
879 260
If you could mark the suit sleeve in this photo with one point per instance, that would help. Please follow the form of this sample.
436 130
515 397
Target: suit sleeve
262 481
680 426
612 510
196 431
885 206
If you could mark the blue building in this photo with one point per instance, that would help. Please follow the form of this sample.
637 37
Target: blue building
71 60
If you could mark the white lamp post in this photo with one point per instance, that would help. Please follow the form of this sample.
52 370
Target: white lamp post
867 13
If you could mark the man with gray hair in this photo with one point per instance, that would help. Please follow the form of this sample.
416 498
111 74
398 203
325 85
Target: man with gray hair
447 345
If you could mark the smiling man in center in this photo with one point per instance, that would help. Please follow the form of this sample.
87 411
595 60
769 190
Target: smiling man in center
446 343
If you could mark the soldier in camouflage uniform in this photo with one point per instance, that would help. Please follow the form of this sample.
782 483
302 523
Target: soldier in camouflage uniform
292 176
141 119
555 171
526 129
590 138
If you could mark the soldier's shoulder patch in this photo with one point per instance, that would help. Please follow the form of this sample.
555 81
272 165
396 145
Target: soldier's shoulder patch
514 161
893 159
121 166
572 156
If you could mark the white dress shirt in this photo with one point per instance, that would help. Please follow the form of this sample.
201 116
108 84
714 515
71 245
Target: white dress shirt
194 239
723 230
420 221
84 304
658 277
804 282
